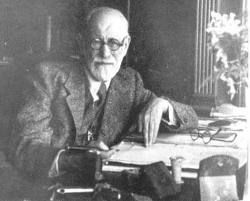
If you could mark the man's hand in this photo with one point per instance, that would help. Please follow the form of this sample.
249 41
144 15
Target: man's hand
150 118
101 148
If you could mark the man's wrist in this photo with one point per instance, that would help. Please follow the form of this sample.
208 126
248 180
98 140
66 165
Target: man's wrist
169 114
166 105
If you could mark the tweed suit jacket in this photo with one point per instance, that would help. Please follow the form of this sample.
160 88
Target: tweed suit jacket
52 114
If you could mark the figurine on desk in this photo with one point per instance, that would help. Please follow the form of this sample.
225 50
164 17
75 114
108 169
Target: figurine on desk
92 103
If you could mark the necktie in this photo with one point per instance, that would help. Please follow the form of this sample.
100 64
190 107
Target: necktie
96 111
93 114
102 94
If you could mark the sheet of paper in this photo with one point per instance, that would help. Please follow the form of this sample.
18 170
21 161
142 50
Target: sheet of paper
136 153
225 138
132 151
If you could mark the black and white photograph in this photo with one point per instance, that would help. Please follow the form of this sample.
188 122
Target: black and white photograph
124 100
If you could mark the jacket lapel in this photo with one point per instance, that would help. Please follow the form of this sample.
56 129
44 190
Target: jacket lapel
115 110
76 87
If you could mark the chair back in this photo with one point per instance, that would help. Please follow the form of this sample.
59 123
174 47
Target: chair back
217 178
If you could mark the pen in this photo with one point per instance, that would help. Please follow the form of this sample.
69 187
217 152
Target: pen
82 148
74 190
89 148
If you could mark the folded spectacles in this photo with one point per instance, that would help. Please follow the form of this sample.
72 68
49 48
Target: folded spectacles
208 134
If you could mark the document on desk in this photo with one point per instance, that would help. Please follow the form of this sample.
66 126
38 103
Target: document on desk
172 145
227 124
225 138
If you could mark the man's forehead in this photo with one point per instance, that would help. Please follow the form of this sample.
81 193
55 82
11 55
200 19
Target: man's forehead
108 28
110 24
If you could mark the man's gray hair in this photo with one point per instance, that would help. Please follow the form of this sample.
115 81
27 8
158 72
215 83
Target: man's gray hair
104 11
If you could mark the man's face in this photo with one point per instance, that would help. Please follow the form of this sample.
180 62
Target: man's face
102 62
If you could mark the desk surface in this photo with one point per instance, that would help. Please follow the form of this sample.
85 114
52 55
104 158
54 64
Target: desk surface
171 145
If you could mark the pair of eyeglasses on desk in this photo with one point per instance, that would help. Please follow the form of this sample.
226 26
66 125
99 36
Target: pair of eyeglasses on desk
210 134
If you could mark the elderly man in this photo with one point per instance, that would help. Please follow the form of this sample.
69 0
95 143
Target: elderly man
92 103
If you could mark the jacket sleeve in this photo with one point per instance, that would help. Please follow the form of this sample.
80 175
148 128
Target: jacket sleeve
142 96
30 142
185 115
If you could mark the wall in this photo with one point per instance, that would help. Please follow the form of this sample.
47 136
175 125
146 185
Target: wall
23 24
163 42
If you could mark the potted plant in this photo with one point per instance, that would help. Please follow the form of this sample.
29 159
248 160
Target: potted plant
228 39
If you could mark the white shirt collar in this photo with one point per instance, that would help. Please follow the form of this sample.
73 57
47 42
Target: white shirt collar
95 85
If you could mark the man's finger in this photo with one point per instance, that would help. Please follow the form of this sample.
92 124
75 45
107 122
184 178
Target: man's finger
140 123
151 131
103 146
146 131
156 130
99 145
107 154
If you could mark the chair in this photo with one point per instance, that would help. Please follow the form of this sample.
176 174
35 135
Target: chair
217 178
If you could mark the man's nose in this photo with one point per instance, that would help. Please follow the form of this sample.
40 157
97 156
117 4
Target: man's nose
105 51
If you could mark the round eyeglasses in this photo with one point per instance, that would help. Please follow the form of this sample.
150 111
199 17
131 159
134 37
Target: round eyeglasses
209 134
112 43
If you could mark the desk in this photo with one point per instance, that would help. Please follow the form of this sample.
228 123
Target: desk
132 155
168 145
137 154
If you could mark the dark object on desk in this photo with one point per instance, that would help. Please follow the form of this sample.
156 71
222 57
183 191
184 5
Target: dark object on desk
82 170
217 178
82 167
112 194
130 180
220 123
107 192
157 181
102 192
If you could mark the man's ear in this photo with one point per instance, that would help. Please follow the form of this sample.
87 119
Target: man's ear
126 44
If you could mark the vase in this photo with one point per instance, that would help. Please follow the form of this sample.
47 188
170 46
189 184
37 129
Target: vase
222 96
240 97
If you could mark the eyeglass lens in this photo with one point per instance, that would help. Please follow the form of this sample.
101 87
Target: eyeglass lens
112 43
206 135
